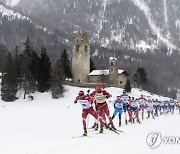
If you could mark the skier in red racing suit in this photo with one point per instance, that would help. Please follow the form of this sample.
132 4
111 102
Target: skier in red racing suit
86 102
100 95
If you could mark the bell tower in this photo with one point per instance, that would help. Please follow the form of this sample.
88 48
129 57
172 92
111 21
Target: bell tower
113 70
81 58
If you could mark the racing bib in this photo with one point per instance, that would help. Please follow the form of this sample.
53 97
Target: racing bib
118 105
85 104
125 98
142 102
100 98
171 104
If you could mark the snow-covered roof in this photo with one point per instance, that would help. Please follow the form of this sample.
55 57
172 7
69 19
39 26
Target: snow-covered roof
103 72
112 58
99 72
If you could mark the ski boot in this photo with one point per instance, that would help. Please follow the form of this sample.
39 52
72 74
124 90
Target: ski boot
101 130
112 127
126 121
133 120
138 121
119 124
85 132
106 125
96 128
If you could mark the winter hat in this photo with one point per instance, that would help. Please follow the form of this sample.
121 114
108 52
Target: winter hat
118 97
124 91
98 87
81 93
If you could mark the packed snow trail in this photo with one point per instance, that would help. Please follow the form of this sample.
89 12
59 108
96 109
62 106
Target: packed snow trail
46 126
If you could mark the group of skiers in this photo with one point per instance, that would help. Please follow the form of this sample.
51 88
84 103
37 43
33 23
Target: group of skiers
95 103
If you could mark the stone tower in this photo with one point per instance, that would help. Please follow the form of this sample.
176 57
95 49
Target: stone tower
81 58
113 70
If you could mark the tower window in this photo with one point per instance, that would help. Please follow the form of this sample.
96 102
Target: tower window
111 63
86 48
120 82
77 47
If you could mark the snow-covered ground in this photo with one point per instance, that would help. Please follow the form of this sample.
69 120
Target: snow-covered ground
47 126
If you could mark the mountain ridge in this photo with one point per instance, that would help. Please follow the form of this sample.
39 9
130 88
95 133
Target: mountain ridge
133 31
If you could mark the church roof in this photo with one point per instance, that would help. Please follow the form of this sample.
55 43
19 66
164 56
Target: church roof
106 72
112 58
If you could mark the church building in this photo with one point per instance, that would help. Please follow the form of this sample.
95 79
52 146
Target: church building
81 66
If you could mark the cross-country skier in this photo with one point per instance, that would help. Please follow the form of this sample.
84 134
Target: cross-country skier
161 106
96 125
178 105
86 102
156 107
125 99
129 109
171 106
150 108
135 109
142 102
118 108
100 95
166 107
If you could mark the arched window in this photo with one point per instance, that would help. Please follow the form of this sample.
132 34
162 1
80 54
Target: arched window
111 63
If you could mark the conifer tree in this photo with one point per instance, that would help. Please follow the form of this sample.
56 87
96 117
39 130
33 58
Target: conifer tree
18 67
128 86
92 66
66 64
34 67
142 75
9 80
44 75
57 79
29 82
